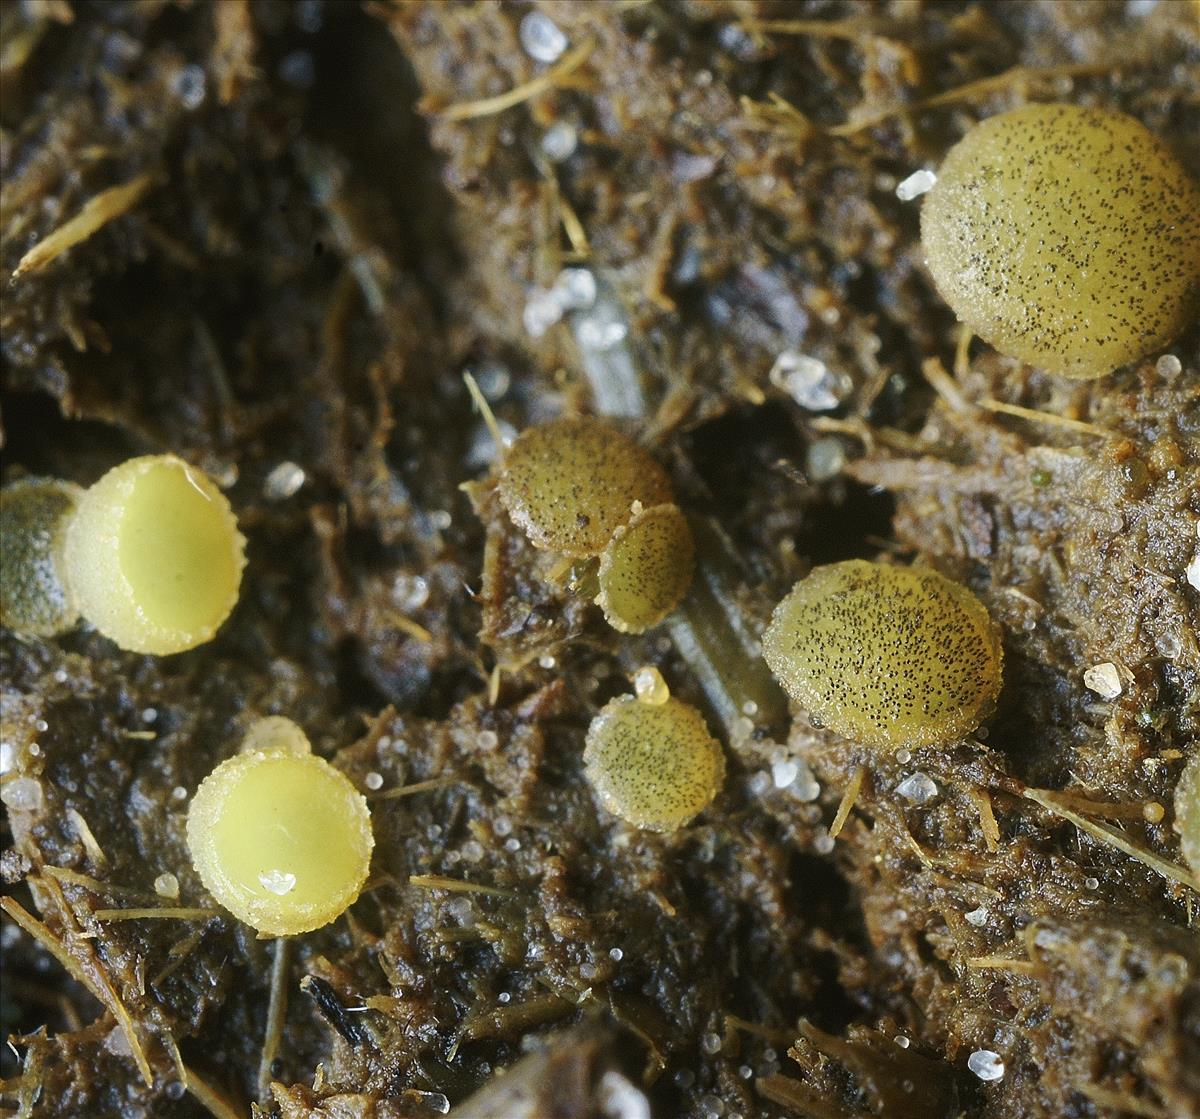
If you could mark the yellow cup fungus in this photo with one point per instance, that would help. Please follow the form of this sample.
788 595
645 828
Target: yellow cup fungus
646 569
569 484
1187 812
34 596
890 656
1067 237
153 555
651 758
280 837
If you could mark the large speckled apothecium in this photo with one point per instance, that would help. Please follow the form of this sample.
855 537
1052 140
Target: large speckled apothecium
1067 237
890 656
569 484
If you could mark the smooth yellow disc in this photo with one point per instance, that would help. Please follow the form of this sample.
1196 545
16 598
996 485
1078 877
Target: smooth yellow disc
34 596
653 764
1066 237
154 556
646 569
1187 812
890 656
570 483
283 841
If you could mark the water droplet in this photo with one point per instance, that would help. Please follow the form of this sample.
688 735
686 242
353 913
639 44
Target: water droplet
986 1064
23 794
542 38
278 882
650 686
915 185
559 142
1168 366
808 381
189 86
918 788
283 481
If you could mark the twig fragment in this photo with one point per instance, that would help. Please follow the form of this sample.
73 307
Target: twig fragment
488 106
848 799
97 212
458 885
1112 838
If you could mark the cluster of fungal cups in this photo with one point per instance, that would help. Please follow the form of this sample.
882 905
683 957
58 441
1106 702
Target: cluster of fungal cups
1066 237
150 555
583 489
